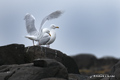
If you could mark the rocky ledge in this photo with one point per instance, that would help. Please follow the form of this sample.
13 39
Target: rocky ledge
18 62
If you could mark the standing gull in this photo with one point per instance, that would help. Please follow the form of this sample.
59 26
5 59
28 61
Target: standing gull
53 34
35 35
52 28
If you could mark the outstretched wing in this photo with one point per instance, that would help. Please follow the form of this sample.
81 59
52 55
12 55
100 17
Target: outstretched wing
30 24
53 15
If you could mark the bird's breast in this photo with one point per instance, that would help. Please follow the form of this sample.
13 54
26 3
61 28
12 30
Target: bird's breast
52 37
53 34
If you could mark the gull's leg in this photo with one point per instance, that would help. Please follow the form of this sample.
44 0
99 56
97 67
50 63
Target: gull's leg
33 43
34 46
29 47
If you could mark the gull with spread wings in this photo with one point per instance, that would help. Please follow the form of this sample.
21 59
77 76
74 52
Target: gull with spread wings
43 36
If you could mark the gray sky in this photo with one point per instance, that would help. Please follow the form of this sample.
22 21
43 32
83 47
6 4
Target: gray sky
87 26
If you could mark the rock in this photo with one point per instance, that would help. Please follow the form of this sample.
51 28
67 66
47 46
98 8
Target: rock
70 64
115 72
31 72
12 54
89 65
77 77
96 78
19 54
53 79
36 52
106 61
106 78
85 60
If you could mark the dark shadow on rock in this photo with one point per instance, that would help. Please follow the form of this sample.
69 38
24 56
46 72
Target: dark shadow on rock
33 71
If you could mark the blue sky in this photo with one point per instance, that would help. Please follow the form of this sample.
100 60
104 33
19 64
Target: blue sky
87 26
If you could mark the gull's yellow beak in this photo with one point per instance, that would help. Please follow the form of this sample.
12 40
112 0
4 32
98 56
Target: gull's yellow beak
57 27
49 34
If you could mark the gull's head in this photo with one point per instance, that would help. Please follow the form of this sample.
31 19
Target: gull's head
46 30
52 26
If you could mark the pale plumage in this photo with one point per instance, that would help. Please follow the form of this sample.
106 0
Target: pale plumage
34 34
42 35
53 35
44 39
